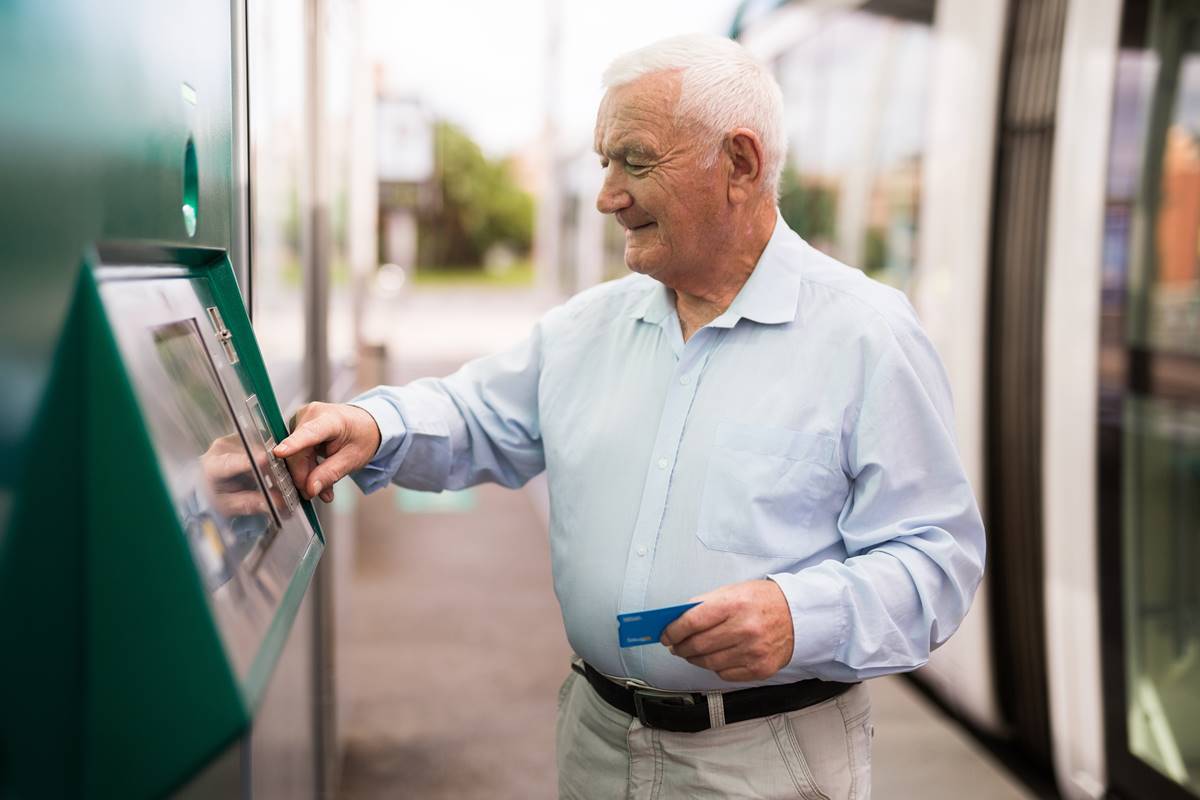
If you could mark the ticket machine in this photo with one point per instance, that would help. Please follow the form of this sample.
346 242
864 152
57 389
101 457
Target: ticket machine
158 552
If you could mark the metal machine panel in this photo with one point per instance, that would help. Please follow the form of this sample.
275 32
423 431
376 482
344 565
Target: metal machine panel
236 501
179 553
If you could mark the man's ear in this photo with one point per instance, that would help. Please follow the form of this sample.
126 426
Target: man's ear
744 152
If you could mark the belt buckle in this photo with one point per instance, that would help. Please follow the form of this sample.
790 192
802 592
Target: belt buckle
664 698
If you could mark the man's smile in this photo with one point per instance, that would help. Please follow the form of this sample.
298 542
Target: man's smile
636 226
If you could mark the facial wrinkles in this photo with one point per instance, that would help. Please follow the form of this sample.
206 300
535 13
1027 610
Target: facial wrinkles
634 124
652 162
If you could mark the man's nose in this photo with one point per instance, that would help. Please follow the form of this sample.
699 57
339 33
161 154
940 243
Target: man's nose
612 196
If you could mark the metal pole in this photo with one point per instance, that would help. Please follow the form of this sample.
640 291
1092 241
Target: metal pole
317 363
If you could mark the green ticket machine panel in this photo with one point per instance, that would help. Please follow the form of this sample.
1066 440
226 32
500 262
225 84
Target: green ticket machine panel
187 548
240 513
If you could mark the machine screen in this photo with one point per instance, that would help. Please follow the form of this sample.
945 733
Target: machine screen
232 484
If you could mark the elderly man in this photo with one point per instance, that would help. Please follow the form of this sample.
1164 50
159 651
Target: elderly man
744 422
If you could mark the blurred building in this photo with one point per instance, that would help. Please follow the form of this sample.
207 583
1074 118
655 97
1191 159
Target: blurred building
405 147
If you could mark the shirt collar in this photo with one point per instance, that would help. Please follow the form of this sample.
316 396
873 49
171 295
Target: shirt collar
770 296
657 304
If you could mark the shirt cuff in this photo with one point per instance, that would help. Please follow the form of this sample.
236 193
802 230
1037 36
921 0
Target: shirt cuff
392 435
818 617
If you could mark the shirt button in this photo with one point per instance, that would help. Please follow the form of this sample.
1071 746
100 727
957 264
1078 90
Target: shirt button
684 380
662 463
641 551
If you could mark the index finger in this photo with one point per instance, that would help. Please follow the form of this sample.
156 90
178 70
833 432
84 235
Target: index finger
300 466
695 620
308 435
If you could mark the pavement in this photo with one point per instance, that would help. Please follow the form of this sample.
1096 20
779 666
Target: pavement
453 648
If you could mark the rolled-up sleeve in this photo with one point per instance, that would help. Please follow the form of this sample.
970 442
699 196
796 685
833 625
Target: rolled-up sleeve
479 424
911 528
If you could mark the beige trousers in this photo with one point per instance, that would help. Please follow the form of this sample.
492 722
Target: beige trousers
818 753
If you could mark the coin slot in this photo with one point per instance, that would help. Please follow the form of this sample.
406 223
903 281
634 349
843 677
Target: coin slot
191 188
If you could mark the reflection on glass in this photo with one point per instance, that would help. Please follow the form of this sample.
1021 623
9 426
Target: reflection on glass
855 90
1155 180
1174 295
350 253
1162 562
233 520
279 171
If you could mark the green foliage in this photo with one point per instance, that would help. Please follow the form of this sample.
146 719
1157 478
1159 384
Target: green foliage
480 205
809 208
875 259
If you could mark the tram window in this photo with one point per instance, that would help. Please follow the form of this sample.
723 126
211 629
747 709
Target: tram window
855 99
1154 181
1162 551
1150 368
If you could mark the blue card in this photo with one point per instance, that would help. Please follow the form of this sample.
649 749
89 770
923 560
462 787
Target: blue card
646 627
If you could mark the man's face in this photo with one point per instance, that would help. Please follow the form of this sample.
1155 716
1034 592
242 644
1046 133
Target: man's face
669 205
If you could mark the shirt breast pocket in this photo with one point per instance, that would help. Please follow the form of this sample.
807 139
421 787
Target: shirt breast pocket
766 487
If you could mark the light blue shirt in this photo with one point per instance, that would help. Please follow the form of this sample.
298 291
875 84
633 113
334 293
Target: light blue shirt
805 435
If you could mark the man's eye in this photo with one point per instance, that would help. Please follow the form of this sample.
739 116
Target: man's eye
604 163
632 167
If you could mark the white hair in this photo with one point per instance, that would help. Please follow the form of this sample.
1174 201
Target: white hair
723 87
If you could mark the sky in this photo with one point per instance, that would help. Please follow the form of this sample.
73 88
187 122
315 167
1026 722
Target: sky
484 65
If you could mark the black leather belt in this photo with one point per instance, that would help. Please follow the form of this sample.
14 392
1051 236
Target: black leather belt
688 713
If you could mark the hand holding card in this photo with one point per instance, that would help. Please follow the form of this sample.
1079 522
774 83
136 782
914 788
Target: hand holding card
646 627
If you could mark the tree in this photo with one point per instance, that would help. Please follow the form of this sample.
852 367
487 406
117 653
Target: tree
808 206
480 205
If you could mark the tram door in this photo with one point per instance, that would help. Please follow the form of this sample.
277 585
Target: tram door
1014 378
